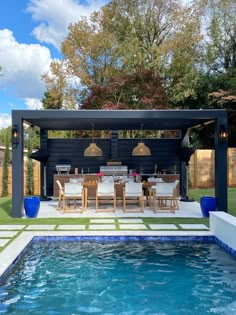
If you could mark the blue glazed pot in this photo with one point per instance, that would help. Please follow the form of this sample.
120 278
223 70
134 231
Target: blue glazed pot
207 204
31 205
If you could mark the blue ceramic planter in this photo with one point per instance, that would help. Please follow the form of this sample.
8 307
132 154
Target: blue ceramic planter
31 205
207 204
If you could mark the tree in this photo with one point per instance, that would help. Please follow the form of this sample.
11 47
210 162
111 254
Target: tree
61 88
6 161
30 164
221 60
142 89
123 37
144 28
221 43
3 134
92 53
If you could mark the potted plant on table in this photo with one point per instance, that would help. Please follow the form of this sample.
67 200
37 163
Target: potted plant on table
100 176
135 176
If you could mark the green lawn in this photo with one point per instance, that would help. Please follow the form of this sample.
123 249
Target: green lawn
197 193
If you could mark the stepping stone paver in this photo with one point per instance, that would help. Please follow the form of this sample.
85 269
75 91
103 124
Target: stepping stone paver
102 221
163 227
12 227
8 233
194 226
102 227
130 220
71 227
133 227
40 227
3 242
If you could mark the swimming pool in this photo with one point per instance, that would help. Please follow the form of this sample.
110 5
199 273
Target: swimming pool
111 277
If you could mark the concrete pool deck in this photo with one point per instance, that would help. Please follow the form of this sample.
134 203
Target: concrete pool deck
186 210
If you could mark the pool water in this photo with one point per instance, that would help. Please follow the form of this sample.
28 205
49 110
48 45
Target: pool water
130 278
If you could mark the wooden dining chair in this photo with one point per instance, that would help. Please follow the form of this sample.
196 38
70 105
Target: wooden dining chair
133 193
60 195
105 193
73 192
164 197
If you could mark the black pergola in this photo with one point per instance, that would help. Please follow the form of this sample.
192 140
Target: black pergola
119 120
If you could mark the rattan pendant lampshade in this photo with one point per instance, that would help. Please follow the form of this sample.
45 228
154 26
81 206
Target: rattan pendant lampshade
93 149
141 149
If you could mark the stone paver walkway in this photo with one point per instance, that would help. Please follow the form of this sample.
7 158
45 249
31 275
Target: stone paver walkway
9 232
163 227
71 227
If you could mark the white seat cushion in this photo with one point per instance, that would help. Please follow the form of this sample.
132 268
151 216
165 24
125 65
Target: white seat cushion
73 189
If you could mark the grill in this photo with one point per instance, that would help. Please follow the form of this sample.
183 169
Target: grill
63 168
114 170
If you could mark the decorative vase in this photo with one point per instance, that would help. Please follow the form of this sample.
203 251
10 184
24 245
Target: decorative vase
207 204
31 205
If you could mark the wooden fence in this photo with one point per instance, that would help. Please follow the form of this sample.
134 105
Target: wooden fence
202 168
36 179
201 171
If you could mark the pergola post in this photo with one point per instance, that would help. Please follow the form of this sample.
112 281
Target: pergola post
17 165
43 147
183 168
221 181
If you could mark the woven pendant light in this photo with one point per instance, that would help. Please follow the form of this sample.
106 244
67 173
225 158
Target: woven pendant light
141 149
93 149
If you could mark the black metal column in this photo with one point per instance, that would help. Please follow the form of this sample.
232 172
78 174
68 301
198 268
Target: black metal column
183 169
17 167
43 147
221 182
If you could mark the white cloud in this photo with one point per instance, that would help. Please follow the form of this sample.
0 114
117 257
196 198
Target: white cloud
32 103
22 67
5 120
54 17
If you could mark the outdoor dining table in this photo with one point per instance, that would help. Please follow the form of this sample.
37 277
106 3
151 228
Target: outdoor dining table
91 187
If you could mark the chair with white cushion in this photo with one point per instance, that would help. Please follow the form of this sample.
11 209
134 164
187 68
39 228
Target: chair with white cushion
76 180
60 195
133 193
105 193
164 197
73 192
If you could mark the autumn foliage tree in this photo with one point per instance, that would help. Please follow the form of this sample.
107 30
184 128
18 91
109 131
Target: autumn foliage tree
142 89
125 38
154 54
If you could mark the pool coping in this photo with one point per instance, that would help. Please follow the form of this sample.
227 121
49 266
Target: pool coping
11 253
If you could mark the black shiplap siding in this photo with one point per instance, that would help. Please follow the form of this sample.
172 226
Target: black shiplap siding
71 151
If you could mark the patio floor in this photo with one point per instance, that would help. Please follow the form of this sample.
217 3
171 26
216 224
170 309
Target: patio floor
186 210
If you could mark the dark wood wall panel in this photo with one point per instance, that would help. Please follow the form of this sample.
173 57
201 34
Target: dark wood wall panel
163 153
71 151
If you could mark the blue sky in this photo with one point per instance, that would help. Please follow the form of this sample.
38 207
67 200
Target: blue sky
31 32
